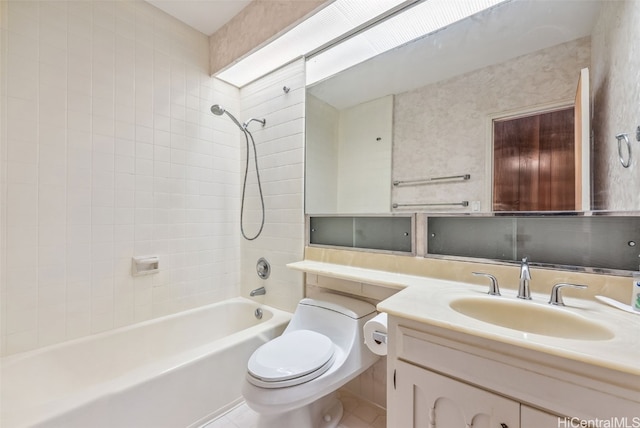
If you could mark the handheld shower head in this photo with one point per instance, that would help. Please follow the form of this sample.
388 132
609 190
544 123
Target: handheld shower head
217 109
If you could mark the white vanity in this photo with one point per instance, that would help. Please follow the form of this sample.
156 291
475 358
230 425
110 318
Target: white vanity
447 369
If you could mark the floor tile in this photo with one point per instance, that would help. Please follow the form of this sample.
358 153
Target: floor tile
358 413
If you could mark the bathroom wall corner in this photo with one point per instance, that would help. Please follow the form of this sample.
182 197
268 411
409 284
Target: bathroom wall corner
280 149
3 175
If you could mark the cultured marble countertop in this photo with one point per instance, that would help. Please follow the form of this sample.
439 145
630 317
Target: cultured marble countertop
427 300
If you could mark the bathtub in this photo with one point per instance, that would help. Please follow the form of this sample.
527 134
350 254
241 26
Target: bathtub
177 371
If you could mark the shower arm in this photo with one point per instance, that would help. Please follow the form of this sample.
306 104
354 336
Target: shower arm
262 121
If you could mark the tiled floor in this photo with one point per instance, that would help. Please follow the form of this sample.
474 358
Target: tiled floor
357 414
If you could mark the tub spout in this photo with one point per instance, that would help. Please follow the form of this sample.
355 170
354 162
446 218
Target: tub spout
258 292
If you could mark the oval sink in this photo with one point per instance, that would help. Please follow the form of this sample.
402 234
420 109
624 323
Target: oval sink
531 318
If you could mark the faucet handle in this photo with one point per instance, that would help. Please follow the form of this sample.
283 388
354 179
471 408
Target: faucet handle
556 295
494 290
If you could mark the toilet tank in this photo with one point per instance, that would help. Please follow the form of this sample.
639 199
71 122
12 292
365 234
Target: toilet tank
338 317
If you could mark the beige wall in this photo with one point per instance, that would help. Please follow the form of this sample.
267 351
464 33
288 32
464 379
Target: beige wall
349 153
443 129
322 154
364 153
615 91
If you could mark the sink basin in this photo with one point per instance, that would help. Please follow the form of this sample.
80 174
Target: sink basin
531 318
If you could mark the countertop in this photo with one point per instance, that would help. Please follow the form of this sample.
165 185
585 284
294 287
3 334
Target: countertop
426 300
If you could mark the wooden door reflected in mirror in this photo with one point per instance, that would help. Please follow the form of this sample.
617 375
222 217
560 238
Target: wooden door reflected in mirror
534 162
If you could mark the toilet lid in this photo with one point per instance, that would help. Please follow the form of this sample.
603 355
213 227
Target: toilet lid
301 354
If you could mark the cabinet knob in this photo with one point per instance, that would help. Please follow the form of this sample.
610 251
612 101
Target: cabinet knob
504 426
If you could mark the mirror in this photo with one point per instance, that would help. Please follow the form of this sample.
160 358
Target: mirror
425 110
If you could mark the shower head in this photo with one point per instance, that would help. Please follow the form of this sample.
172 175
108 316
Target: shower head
218 110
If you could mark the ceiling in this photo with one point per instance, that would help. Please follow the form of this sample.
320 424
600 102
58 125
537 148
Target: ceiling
508 31
517 28
206 16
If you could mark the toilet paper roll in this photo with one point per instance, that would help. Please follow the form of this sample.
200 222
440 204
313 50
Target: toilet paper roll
376 324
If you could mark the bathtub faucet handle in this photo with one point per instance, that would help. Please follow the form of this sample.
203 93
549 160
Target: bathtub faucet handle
258 292
263 268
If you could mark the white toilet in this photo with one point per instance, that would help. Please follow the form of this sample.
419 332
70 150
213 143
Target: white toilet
292 380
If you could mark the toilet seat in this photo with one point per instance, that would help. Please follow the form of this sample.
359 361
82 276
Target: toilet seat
291 359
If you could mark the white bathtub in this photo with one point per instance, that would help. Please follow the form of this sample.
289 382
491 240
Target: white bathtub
177 371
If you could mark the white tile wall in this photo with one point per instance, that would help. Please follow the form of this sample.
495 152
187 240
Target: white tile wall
109 151
280 147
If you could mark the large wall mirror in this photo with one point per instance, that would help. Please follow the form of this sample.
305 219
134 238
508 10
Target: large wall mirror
423 116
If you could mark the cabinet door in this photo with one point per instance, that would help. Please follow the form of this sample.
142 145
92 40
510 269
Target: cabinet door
534 418
424 399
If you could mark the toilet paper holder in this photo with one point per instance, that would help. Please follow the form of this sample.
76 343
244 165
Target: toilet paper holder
379 337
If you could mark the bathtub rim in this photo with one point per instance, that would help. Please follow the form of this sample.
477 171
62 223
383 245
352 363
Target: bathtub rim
7 359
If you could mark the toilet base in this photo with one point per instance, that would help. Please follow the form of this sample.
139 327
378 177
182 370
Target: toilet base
323 413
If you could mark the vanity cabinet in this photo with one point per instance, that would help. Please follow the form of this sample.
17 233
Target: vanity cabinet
431 400
442 378
534 418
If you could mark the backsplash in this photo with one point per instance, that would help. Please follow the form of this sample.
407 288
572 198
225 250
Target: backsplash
616 287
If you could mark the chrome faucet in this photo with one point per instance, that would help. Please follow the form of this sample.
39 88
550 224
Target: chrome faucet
556 296
524 292
494 289
258 292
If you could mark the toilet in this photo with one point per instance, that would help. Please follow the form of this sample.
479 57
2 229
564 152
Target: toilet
292 380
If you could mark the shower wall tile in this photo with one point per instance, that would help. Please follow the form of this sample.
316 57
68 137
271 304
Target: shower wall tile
109 151
280 148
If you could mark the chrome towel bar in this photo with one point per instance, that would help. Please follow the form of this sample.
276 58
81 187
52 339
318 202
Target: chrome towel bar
430 180
441 204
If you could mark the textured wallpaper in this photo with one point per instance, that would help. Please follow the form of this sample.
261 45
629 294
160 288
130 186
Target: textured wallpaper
255 25
615 95
443 129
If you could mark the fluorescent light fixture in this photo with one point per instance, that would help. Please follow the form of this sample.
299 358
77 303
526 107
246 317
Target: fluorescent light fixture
422 19
327 25
329 33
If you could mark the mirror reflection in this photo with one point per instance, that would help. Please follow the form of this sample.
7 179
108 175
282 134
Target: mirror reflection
424 116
